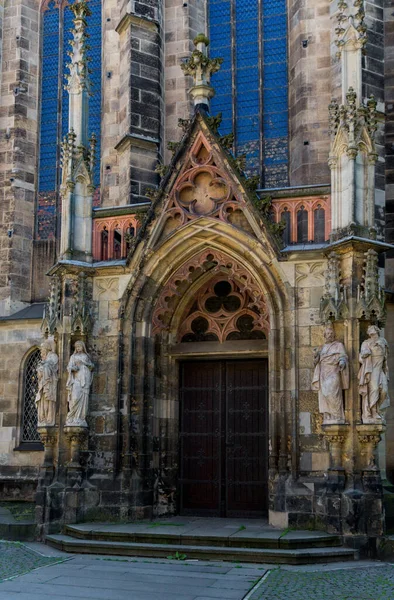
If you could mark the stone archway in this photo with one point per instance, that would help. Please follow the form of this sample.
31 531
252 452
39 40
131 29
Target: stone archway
157 304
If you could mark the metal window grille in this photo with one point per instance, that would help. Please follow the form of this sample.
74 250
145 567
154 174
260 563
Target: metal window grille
29 409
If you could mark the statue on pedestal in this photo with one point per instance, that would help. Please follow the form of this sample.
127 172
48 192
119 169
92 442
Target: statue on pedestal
373 376
47 374
330 377
78 384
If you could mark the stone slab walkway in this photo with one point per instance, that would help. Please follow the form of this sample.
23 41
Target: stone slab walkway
115 578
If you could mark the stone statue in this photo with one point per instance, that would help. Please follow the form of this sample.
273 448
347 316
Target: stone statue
47 374
330 377
78 384
373 376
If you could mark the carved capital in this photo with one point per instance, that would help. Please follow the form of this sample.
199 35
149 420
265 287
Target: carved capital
336 436
369 437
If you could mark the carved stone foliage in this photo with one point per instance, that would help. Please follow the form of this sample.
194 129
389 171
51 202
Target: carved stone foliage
203 189
81 320
333 304
240 280
53 310
222 311
351 28
371 300
352 127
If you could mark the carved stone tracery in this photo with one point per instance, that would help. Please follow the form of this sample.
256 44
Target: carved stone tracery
215 261
203 189
222 311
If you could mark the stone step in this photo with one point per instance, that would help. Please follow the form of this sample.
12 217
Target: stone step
249 555
241 539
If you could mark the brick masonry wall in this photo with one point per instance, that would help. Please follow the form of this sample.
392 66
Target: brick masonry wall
309 91
18 145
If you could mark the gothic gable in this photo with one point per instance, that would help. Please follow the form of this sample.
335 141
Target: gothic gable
204 183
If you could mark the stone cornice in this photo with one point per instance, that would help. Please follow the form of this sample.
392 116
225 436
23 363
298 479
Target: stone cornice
132 139
133 19
113 267
117 211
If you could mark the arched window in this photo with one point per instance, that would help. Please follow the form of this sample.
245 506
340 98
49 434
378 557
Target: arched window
302 226
56 34
30 388
104 244
286 219
319 217
117 249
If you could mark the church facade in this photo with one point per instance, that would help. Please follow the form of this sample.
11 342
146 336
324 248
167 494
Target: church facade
195 286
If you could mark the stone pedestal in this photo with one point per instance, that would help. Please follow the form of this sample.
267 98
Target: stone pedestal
369 436
336 436
48 435
76 437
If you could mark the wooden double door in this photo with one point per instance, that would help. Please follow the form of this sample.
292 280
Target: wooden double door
224 438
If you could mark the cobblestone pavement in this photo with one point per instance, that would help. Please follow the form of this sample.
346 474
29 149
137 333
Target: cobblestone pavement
16 558
355 583
67 577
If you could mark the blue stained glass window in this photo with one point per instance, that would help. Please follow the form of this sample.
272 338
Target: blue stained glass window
257 111
54 123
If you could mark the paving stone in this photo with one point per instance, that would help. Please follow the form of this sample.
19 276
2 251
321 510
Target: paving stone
342 584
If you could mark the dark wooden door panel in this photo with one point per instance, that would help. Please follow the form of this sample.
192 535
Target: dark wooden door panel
223 438
246 447
201 390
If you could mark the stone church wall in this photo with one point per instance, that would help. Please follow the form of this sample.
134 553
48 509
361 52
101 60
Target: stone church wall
18 469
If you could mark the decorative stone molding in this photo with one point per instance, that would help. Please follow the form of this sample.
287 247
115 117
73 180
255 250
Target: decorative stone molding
369 437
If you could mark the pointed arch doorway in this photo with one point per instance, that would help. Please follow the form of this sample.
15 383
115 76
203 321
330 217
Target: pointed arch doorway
214 321
224 437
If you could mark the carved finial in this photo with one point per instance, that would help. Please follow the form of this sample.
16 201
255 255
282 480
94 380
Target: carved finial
78 77
201 67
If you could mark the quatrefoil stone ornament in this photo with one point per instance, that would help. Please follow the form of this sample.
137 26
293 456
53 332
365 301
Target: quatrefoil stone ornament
202 195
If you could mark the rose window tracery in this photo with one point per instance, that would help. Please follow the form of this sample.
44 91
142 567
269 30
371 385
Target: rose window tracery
222 311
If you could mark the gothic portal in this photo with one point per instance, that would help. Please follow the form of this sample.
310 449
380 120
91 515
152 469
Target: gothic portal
196 249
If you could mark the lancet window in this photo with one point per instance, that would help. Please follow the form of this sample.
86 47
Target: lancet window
29 392
56 34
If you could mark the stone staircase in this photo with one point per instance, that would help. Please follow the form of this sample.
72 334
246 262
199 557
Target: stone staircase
203 539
